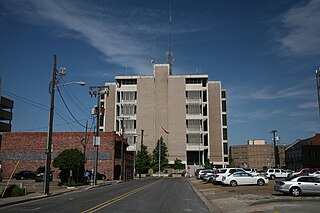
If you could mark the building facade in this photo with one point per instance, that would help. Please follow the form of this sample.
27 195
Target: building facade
188 111
27 150
304 153
258 154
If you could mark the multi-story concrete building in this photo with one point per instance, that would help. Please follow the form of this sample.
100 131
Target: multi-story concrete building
188 111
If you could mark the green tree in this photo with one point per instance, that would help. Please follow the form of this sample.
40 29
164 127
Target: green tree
70 160
177 164
163 156
232 163
207 164
143 160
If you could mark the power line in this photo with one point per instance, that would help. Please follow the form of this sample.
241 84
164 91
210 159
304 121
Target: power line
39 106
27 101
69 109
83 109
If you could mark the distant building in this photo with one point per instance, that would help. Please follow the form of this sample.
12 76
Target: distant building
257 154
188 111
28 148
304 153
6 106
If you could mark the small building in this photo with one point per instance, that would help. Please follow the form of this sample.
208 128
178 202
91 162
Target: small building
304 153
257 154
27 150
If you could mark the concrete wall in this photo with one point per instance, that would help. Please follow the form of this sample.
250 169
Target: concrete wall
215 123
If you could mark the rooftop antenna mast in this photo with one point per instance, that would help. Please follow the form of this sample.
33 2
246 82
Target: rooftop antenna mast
154 59
170 53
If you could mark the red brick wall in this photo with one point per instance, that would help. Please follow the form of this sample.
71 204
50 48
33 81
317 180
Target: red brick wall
29 149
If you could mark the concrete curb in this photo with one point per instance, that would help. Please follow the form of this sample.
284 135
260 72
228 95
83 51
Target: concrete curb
212 207
65 191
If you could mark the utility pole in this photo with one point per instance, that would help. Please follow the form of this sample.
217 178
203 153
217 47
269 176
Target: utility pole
53 85
141 155
50 128
159 155
97 91
84 140
274 146
318 87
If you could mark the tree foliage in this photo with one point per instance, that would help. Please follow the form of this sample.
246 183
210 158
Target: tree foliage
177 164
232 163
207 164
70 160
143 160
163 156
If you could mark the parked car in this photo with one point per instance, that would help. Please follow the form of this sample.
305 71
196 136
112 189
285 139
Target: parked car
316 174
297 185
202 173
305 172
224 173
244 178
40 173
208 177
25 174
99 175
251 171
196 173
277 173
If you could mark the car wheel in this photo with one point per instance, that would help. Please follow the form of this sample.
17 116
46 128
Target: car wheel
233 183
210 180
272 177
260 182
295 191
21 178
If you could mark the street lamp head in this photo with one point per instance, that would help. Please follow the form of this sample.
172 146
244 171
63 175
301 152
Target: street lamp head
82 83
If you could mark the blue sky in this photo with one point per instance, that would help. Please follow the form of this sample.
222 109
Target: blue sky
265 53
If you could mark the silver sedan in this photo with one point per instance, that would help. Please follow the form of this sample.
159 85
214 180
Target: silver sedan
297 185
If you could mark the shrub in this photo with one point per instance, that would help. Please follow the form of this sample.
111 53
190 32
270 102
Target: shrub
13 191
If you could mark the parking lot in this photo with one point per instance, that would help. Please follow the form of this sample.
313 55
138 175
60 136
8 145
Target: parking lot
245 198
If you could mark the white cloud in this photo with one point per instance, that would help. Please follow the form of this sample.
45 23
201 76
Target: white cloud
303 24
115 32
308 105
301 90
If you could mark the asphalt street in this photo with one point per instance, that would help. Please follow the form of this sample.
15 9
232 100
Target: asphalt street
146 195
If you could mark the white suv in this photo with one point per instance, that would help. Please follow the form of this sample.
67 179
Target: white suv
277 173
224 172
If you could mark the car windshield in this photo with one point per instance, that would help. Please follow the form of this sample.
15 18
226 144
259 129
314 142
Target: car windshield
290 178
40 170
221 171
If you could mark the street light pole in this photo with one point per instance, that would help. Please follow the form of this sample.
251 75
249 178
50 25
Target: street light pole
50 128
141 155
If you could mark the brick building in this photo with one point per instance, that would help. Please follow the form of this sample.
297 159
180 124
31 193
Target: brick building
29 149
258 154
304 153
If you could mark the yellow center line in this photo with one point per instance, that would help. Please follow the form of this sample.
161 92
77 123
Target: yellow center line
116 199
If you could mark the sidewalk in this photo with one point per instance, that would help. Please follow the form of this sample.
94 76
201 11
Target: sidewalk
34 192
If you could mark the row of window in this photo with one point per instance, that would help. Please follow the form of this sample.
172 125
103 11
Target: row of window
196 95
202 81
